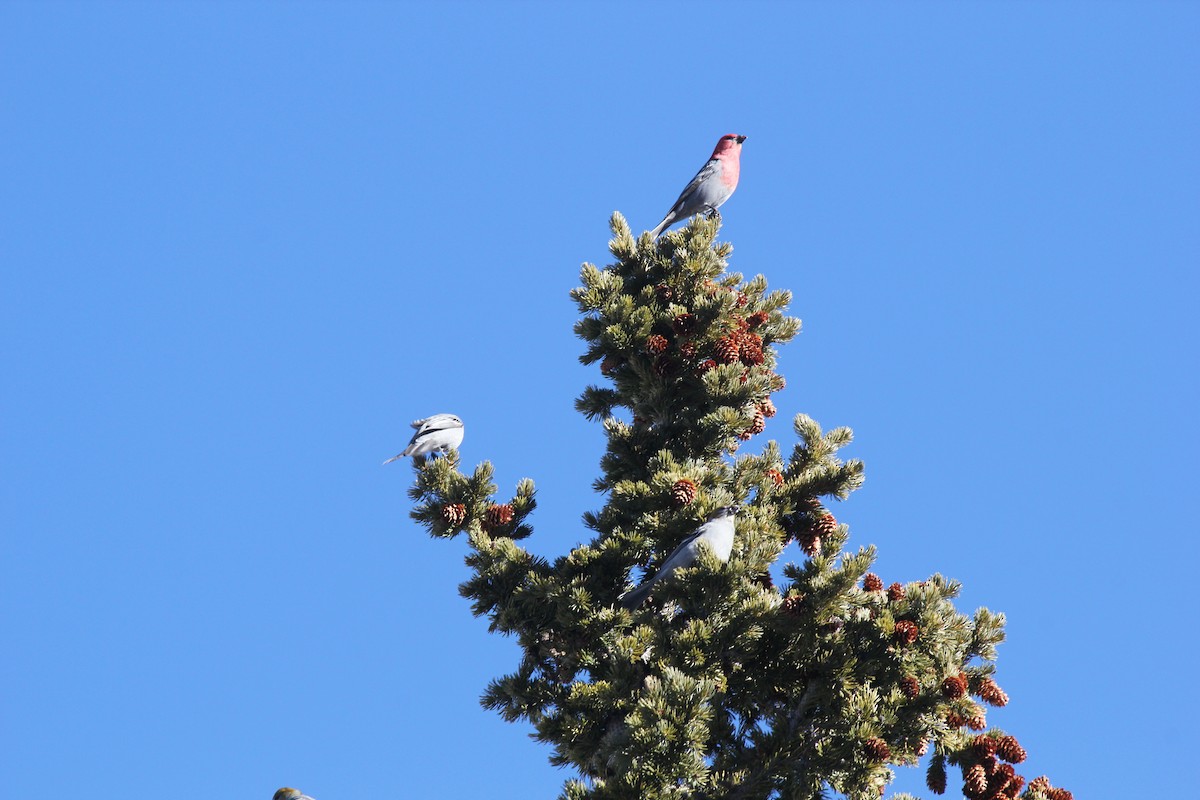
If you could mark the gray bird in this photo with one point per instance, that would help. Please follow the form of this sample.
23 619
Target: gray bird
711 187
288 793
436 434
716 534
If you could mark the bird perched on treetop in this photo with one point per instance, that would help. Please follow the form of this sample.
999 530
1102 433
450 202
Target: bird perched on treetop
711 187
436 434
716 534
288 793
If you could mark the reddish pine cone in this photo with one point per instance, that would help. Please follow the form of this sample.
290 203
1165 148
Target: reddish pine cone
750 350
711 286
704 366
683 492
826 525
905 632
954 686
872 583
954 719
454 514
664 365
976 721
656 344
935 777
877 749
688 349
1040 784
684 324
984 746
745 376
497 516
1010 750
757 319
663 293
767 408
759 424
992 694
896 592
1015 785
741 300
776 476
989 764
609 365
745 436
792 603
975 782
1060 794
910 686
726 350
809 542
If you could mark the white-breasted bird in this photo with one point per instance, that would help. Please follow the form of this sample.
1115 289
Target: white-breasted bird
716 534
288 793
436 434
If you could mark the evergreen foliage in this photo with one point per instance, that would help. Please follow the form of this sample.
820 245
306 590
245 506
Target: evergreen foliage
722 685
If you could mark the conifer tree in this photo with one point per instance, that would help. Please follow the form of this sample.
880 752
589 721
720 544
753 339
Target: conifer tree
723 684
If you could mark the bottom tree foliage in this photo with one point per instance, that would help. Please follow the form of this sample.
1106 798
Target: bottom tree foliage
723 684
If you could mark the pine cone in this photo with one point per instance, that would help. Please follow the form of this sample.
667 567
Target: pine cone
683 492
741 300
656 344
745 376
910 686
710 286
454 514
750 350
990 764
935 776
991 693
497 516
896 592
809 542
745 436
757 319
704 366
954 686
977 721
1010 750
776 476
764 580
872 583
759 424
975 782
1015 785
610 364
726 350
877 749
684 324
954 719
905 632
663 293
1060 794
792 604
999 780
826 525
664 365
767 407
688 349
984 746
1040 784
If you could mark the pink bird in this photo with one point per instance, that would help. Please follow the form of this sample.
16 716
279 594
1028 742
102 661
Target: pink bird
711 187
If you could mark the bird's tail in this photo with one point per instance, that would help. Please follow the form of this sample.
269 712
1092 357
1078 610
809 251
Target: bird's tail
635 597
394 458
662 226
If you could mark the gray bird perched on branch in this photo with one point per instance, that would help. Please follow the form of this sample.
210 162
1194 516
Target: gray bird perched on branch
716 534
436 434
711 187
288 793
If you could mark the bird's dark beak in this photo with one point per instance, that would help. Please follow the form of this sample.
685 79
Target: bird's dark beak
741 139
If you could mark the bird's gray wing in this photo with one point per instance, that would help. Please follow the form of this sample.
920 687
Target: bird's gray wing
709 170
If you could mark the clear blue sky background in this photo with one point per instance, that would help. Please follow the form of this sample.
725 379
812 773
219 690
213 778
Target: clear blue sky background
244 244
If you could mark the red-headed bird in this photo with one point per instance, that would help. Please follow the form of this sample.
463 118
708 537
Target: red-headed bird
711 187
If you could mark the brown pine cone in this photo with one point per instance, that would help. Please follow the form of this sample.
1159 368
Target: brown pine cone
976 721
741 300
454 514
776 476
767 407
725 350
757 319
663 293
1010 750
688 349
954 719
809 542
610 364
1040 784
984 746
704 366
877 749
683 492
992 694
935 777
954 686
826 525
792 604
872 583
664 365
759 424
656 344
905 632
750 350
975 782
497 516
764 580
1060 794
910 686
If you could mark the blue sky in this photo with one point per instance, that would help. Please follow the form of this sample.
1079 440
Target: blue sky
244 244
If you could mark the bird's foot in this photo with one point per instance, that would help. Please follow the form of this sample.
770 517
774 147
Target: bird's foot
713 214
